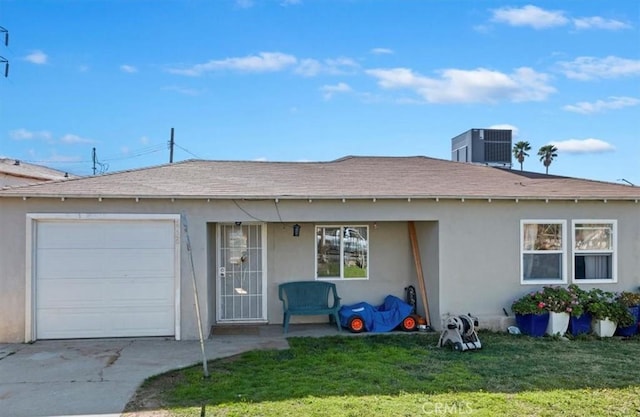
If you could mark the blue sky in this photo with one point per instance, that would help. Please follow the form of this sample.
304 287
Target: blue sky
313 80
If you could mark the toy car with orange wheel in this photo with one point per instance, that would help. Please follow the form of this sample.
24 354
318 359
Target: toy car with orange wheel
393 313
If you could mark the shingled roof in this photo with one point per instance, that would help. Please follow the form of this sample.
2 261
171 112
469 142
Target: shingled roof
351 177
28 173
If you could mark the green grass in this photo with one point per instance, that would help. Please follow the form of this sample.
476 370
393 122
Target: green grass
407 375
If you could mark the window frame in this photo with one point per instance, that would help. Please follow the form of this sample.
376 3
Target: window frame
613 251
562 252
342 228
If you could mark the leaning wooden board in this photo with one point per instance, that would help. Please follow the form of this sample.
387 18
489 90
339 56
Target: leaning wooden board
420 275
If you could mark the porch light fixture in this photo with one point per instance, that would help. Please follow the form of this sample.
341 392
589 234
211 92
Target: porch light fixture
296 230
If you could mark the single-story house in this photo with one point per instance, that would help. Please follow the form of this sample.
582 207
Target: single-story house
14 172
117 254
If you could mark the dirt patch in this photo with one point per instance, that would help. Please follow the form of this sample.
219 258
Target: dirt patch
147 401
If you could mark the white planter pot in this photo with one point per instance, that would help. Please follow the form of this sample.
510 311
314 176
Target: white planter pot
604 328
558 323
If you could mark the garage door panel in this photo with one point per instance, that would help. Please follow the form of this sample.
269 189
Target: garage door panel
88 322
68 293
86 263
105 234
81 293
69 323
144 321
105 278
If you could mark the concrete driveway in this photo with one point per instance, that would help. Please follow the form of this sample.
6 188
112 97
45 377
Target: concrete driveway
98 377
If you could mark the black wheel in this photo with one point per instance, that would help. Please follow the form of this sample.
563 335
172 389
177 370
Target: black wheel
457 347
356 324
409 324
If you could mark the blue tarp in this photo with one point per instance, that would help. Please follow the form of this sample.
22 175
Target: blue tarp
383 318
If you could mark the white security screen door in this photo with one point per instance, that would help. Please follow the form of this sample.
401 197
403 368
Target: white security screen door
241 274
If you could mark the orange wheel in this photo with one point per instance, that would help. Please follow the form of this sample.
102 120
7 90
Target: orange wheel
356 324
409 324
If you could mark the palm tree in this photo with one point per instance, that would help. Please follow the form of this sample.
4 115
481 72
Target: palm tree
546 154
520 151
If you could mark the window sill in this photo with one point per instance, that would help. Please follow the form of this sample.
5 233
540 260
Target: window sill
595 281
543 282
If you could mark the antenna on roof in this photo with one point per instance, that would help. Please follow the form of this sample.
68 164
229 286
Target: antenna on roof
6 66
96 163
4 60
6 35
171 145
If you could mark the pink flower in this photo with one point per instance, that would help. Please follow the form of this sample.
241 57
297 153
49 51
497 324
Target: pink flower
541 304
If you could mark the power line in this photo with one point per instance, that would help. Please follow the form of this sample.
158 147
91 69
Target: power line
138 152
187 151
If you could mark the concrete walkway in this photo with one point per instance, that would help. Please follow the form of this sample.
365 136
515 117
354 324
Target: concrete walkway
97 377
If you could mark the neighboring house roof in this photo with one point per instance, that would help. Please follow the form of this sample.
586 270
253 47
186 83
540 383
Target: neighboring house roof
350 178
15 172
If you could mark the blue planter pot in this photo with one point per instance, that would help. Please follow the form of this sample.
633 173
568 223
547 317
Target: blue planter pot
631 330
532 324
580 325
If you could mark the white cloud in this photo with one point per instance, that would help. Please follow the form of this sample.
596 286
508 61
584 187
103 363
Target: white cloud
128 69
144 140
539 18
37 57
583 146
244 4
309 67
335 66
43 135
588 68
70 139
514 130
263 62
53 157
382 51
612 103
330 90
468 86
24 134
529 15
183 90
261 159
597 22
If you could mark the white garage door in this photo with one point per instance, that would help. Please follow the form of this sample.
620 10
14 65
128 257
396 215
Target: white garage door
105 278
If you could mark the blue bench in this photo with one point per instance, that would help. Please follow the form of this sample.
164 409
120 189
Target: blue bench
309 298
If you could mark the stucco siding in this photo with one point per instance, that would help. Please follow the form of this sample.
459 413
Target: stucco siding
480 251
470 250
293 259
12 267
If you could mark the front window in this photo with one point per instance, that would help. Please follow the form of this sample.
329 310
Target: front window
543 251
594 251
342 252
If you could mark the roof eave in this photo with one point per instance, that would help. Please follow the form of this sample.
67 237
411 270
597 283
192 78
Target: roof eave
344 198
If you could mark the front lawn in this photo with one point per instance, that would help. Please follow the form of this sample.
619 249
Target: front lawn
407 375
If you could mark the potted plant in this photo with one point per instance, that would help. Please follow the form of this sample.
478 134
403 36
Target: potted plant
631 301
607 312
580 319
558 302
532 317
